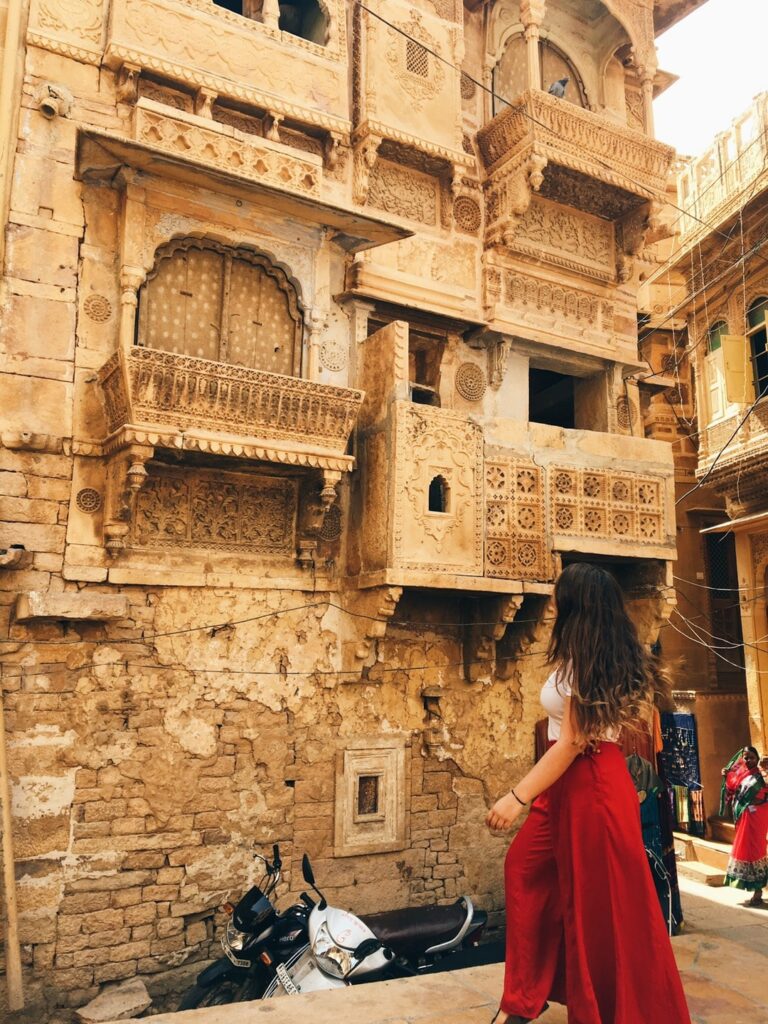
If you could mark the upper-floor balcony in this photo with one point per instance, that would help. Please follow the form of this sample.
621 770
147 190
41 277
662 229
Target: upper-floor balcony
570 155
184 402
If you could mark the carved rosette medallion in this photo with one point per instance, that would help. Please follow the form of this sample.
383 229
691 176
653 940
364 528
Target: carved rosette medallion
332 524
515 546
594 503
97 308
333 355
88 500
466 213
471 382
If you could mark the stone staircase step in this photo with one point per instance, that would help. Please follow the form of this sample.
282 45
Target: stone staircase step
694 869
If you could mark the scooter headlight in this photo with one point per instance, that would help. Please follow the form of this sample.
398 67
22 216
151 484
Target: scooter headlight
331 958
235 939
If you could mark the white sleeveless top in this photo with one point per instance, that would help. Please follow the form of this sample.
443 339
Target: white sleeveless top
553 696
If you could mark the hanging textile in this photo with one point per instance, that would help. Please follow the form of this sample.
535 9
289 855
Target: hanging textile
679 766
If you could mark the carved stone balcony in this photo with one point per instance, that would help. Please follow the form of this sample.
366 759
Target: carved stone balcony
154 399
227 409
571 156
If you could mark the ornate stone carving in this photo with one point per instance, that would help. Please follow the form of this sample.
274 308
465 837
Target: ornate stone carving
515 520
416 70
438 443
334 355
184 394
98 308
403 192
625 412
596 503
565 238
581 140
88 500
218 511
466 213
470 382
551 300
244 157
365 155
81 20
332 525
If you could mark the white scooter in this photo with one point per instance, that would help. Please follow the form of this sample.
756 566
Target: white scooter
344 949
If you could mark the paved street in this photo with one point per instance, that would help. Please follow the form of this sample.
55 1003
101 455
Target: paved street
722 956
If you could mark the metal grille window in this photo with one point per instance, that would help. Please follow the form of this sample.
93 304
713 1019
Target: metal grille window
758 342
228 305
416 58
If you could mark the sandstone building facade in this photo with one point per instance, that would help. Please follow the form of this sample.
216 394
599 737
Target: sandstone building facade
705 325
320 359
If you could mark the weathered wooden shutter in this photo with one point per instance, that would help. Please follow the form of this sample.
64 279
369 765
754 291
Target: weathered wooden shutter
261 331
737 369
182 304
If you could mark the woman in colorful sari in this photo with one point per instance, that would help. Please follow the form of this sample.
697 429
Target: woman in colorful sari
745 794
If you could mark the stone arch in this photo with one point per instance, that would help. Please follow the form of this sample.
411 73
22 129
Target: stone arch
222 302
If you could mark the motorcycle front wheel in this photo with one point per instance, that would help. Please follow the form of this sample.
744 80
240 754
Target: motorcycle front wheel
220 993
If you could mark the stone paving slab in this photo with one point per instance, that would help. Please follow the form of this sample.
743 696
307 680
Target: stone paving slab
722 957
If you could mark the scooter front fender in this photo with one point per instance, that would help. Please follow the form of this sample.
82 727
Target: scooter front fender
219 970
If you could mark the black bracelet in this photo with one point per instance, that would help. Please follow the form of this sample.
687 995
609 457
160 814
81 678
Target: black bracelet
521 802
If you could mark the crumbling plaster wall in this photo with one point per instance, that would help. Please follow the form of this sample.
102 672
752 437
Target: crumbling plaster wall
145 770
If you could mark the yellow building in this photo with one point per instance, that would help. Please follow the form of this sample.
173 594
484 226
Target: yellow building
319 360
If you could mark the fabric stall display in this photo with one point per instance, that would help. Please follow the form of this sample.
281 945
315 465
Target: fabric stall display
679 766
658 839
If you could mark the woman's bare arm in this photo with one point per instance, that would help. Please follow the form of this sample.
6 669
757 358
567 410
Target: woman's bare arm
544 773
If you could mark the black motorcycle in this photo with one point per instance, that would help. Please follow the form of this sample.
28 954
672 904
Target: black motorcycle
255 940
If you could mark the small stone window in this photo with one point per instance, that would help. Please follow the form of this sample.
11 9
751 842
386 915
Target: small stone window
439 494
371 792
227 305
416 58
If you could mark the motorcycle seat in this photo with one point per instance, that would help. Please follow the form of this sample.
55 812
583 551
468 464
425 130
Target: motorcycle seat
413 930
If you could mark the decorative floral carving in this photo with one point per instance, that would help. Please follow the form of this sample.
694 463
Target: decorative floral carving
97 308
514 521
471 382
404 192
568 239
466 213
82 18
418 71
331 528
88 500
468 87
435 442
597 503
201 508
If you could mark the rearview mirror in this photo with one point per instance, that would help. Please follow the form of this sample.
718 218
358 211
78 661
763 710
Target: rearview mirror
306 869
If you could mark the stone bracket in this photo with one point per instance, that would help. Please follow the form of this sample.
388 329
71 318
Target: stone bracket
126 475
366 151
315 505
492 615
369 613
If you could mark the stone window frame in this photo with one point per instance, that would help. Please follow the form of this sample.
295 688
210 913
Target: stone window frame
230 253
386 830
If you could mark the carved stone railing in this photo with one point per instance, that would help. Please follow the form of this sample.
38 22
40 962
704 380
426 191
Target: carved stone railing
547 130
165 391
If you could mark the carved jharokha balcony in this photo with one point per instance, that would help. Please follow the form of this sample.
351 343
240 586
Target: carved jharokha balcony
177 401
575 156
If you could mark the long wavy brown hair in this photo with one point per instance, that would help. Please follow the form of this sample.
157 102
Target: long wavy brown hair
595 643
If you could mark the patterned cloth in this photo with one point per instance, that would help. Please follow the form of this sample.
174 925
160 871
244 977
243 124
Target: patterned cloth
679 766
745 794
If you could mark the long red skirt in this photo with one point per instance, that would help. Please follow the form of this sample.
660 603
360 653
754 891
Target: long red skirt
584 926
748 863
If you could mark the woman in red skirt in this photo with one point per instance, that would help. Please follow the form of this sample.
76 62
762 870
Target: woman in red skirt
745 794
583 921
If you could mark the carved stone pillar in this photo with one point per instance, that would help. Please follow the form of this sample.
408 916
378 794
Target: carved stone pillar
131 279
647 76
366 153
126 475
532 14
204 100
270 13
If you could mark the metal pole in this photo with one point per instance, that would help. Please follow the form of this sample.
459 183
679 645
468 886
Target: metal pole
12 948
